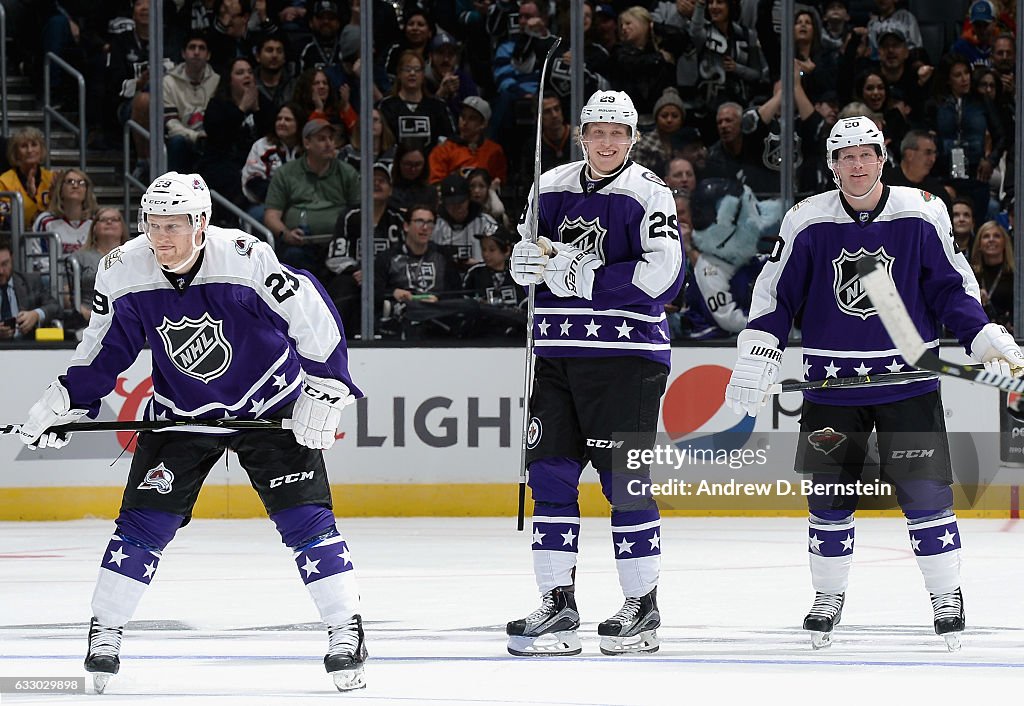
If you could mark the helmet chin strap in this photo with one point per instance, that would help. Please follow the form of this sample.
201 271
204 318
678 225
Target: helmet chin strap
847 194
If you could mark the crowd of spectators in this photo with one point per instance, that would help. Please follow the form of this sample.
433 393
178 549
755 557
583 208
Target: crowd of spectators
262 98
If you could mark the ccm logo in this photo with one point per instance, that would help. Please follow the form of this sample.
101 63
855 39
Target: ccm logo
604 444
914 453
291 478
320 395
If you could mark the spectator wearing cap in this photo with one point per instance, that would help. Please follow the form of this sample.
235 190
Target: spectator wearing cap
187 90
324 47
605 28
976 41
890 16
344 254
307 195
269 153
901 78
556 134
917 158
490 283
655 148
235 118
444 77
459 221
417 32
414 116
273 80
470 148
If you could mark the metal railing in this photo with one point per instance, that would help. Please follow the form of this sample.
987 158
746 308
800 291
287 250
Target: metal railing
76 284
54 251
17 220
51 113
3 71
248 222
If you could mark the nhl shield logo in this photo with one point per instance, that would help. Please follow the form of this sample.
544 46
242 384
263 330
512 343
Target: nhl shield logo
159 479
850 295
587 236
197 347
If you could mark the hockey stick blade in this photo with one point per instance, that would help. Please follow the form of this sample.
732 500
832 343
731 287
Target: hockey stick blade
901 329
158 425
858 381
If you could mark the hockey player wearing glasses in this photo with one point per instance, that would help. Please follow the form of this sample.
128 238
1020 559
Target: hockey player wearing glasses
233 334
607 260
814 266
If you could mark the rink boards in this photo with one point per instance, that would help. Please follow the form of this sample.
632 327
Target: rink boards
439 435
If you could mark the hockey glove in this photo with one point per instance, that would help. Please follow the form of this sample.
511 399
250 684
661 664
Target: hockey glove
317 411
570 273
52 409
995 348
756 369
528 261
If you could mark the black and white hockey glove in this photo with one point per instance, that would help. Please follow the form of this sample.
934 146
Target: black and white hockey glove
995 347
755 371
570 273
52 409
528 261
317 411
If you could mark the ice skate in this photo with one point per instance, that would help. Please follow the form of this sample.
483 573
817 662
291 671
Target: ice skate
949 617
103 660
346 654
633 628
823 617
548 631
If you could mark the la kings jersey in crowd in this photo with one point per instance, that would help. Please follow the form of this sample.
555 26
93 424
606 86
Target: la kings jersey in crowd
815 266
629 221
233 343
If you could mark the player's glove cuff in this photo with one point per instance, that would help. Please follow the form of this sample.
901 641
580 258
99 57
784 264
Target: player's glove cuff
993 343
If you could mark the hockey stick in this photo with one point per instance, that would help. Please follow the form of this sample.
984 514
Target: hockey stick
858 381
157 425
904 334
531 290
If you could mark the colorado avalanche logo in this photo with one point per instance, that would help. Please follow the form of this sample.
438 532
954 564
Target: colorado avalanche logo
826 440
197 347
243 246
587 236
850 295
159 479
197 185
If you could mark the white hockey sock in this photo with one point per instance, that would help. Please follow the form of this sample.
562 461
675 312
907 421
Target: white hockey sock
936 545
555 543
637 557
125 572
327 570
830 550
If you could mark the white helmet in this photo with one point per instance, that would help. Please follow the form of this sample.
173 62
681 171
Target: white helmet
610 107
178 194
851 132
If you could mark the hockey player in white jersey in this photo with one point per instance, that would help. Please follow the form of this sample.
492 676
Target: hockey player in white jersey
814 266
607 261
234 334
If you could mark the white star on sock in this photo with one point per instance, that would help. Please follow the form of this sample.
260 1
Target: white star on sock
567 538
625 546
310 567
815 543
655 540
915 543
117 556
947 539
847 543
150 569
538 538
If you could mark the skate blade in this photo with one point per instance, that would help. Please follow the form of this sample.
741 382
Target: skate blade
100 681
564 643
644 642
821 640
349 679
953 643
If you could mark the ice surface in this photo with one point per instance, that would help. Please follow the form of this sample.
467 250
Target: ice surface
227 620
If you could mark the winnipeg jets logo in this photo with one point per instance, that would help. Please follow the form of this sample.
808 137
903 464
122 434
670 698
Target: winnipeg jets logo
850 295
826 440
197 347
533 433
587 236
159 479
